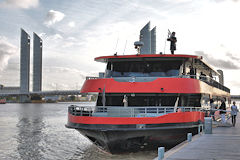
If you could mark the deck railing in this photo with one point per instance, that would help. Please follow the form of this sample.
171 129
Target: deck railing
88 78
211 81
120 111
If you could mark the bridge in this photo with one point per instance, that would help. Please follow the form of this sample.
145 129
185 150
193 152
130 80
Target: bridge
235 96
61 92
42 93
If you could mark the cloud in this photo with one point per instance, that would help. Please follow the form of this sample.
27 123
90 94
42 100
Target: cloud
224 64
54 78
225 0
54 37
57 86
7 50
42 34
25 4
232 57
71 71
53 17
72 42
72 24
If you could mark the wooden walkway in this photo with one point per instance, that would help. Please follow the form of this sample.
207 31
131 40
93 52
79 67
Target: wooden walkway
223 144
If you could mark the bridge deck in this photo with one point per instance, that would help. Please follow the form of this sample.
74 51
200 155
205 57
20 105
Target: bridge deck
222 144
43 93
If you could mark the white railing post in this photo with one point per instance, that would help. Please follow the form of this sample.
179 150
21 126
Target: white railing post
161 151
208 125
133 112
189 137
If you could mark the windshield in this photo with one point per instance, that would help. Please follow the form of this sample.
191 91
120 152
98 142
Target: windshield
143 69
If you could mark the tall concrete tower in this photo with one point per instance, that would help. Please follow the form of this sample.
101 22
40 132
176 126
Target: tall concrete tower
24 62
37 63
145 37
24 65
221 77
153 41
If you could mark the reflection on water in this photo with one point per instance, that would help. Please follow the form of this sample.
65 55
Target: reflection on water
37 131
30 127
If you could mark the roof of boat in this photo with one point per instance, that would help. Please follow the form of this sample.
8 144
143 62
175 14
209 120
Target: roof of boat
152 56
105 58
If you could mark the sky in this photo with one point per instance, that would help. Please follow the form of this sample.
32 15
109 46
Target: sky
75 32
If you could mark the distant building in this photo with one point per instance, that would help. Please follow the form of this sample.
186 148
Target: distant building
9 89
145 37
221 77
24 65
24 62
153 41
37 63
53 98
148 37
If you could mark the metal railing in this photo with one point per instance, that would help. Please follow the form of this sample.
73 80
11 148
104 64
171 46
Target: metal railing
213 83
80 111
209 80
88 78
120 111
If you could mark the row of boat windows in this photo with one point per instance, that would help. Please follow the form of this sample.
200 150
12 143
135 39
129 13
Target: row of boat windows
148 101
143 69
169 73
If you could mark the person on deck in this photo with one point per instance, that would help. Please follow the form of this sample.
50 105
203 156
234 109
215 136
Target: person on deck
234 111
223 111
212 111
173 41
192 73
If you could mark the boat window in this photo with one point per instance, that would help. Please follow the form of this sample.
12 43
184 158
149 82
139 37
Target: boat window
138 101
150 100
143 69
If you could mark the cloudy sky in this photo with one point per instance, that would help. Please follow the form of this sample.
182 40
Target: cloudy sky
74 32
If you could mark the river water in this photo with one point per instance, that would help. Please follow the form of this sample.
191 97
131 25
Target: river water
37 131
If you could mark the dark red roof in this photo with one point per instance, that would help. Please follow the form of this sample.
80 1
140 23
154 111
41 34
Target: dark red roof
105 58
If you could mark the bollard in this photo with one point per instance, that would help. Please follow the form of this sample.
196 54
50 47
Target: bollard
208 125
161 151
189 137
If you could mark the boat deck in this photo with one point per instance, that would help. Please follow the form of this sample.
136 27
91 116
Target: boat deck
222 144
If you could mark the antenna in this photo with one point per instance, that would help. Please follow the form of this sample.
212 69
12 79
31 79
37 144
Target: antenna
125 47
116 44
169 33
165 46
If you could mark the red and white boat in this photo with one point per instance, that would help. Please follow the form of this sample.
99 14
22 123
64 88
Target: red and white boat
146 100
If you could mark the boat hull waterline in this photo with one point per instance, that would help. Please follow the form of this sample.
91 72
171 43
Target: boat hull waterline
132 134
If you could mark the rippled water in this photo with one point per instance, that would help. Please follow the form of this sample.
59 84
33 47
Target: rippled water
37 131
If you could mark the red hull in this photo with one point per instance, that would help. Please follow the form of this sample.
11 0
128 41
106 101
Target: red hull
178 117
